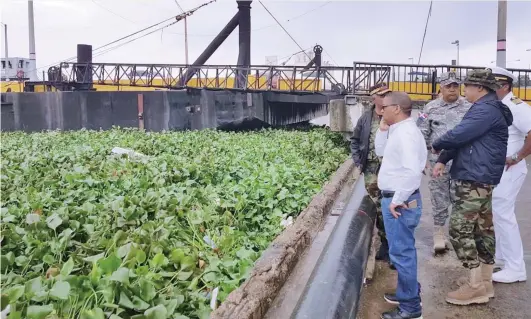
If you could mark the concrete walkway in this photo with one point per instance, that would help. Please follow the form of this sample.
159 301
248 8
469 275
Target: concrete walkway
437 275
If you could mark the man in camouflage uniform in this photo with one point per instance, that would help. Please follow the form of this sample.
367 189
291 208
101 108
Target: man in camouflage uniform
437 118
477 147
365 158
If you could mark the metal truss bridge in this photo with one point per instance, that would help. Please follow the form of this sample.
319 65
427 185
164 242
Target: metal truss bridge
418 80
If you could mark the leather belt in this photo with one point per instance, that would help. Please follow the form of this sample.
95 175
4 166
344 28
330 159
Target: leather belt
388 194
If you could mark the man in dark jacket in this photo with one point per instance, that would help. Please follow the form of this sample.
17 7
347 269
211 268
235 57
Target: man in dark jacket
477 147
365 158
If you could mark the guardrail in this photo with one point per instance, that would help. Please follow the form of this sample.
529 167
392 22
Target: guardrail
421 79
334 288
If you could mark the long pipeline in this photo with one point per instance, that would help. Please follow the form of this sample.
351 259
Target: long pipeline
334 288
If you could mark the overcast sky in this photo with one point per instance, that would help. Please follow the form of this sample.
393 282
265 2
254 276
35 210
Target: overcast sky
376 31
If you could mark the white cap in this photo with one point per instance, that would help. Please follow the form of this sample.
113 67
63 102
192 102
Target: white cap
502 74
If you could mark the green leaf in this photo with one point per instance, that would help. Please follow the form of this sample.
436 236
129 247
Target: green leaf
96 313
33 286
177 255
159 260
48 259
184 275
60 290
157 312
4 301
140 256
53 221
67 267
135 304
109 264
147 290
14 293
39 312
187 262
124 250
121 275
172 304
95 258
179 316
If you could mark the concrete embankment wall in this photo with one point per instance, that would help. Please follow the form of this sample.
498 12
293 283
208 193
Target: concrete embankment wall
158 110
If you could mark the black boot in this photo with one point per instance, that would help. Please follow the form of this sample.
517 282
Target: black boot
383 253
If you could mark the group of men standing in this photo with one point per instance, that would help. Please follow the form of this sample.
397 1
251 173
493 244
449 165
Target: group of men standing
473 147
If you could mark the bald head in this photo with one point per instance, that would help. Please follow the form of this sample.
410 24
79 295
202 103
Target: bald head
401 99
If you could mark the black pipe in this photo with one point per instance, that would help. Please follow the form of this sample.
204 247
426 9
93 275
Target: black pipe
212 47
244 54
334 288
84 70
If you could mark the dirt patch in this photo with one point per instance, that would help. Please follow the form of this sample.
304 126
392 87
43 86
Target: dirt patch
252 299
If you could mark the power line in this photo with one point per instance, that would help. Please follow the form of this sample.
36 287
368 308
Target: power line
295 41
109 10
425 30
177 18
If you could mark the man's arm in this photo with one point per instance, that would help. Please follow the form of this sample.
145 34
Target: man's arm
412 172
522 121
424 123
355 142
474 125
380 141
446 156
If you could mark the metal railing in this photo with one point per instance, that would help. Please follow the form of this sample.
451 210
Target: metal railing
421 79
260 77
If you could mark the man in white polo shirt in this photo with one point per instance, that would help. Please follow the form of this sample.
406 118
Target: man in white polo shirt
404 154
509 250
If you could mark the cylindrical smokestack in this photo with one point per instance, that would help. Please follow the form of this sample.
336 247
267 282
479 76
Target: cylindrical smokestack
32 73
501 53
84 67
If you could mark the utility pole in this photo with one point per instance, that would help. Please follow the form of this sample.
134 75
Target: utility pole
501 53
185 32
456 42
5 40
186 40
33 59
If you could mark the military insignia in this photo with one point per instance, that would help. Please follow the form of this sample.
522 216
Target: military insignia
516 100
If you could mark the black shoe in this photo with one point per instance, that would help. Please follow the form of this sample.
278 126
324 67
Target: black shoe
383 252
391 298
399 314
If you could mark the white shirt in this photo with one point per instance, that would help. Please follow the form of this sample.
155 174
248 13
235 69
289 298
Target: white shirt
519 129
404 157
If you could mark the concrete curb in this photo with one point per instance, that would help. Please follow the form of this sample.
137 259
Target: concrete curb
252 299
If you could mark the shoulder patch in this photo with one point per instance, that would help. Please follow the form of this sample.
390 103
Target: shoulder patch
516 100
422 116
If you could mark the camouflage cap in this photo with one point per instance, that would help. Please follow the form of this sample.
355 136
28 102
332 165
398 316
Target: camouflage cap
483 77
379 89
448 78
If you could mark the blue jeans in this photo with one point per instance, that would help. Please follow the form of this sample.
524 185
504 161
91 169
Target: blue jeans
401 237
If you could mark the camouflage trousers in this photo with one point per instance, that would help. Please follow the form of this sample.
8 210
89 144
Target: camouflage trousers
471 227
440 196
370 174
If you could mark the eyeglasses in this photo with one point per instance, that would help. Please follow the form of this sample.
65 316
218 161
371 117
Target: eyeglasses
384 106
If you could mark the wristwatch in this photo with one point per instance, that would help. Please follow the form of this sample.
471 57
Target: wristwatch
514 157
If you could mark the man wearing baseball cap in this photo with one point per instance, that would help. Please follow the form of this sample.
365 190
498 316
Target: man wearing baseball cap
437 117
365 158
509 250
477 147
